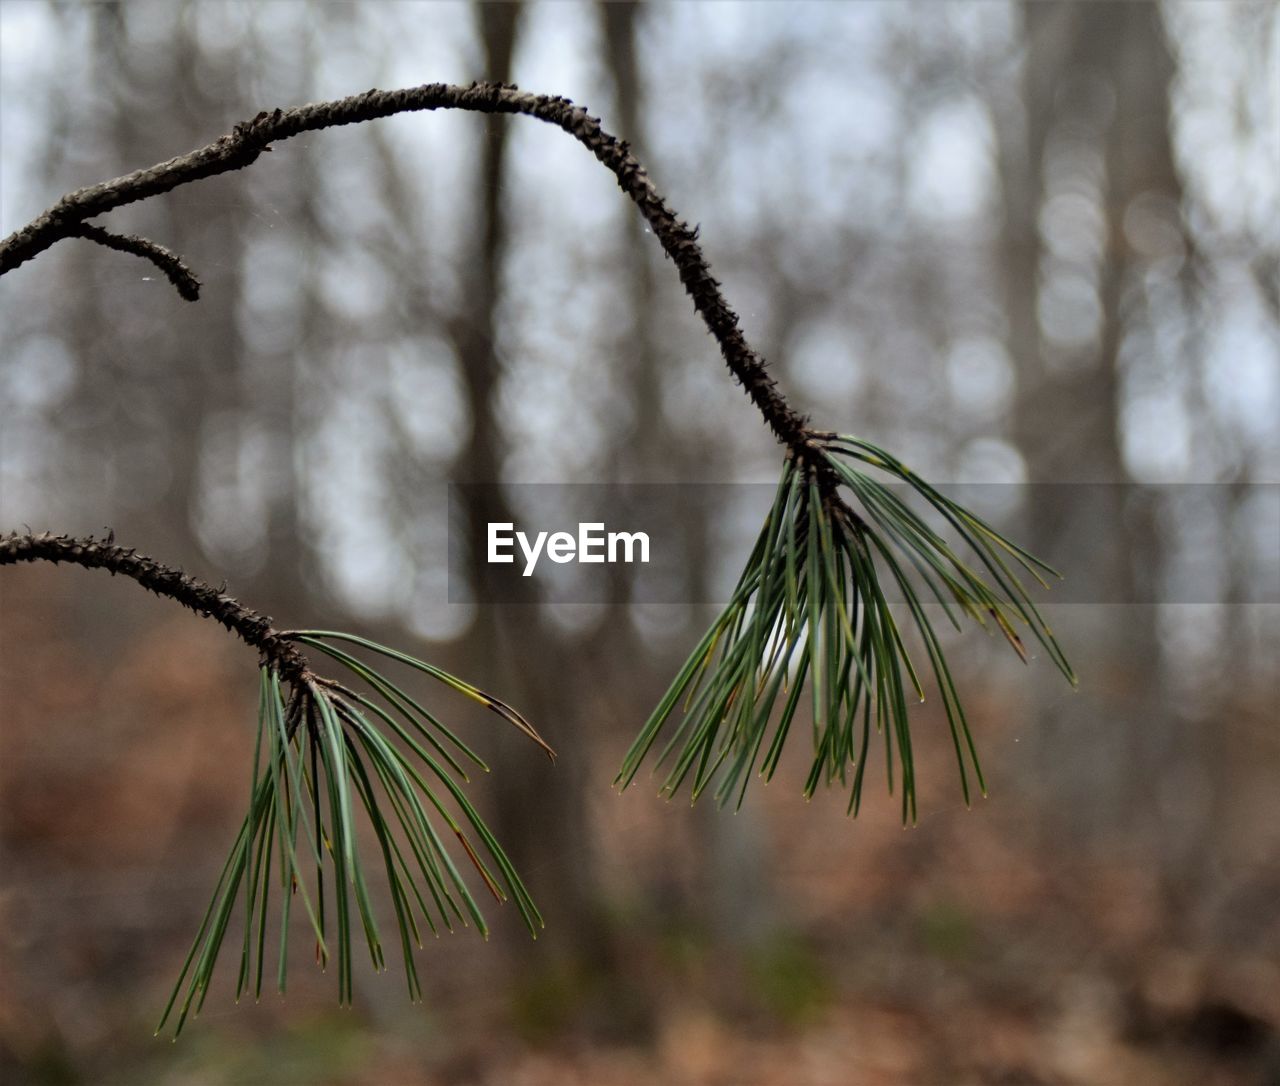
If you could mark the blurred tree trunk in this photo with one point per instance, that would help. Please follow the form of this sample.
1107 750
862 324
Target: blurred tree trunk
732 901
199 367
159 404
1140 167
541 813
635 456
130 432
1096 86
286 581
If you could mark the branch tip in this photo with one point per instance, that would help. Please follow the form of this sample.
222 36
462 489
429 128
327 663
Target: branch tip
182 277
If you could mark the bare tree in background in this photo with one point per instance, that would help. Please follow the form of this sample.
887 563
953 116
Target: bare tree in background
1093 141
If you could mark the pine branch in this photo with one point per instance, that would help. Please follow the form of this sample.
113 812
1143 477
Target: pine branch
811 609
321 747
825 598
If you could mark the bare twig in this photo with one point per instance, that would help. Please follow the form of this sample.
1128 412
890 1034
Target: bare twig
169 262
247 141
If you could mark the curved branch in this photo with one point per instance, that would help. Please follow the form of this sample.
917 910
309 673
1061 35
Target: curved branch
253 629
182 277
247 141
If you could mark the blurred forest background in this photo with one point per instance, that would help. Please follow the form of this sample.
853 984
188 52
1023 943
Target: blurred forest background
1010 241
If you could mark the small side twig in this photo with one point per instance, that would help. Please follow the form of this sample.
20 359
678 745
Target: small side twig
182 277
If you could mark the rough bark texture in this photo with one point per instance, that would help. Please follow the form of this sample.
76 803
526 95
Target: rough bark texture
252 628
182 277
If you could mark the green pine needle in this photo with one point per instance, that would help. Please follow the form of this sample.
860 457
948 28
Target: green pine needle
810 607
320 752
